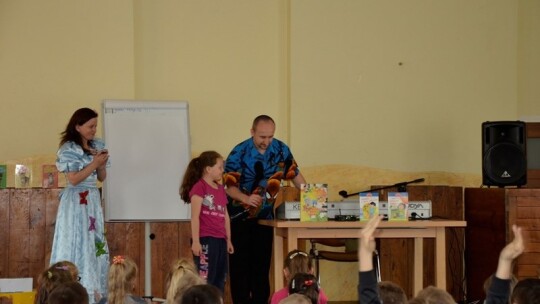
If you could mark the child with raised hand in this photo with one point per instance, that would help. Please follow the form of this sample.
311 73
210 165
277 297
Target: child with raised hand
182 275
210 224
296 261
499 291
57 274
306 284
368 291
121 283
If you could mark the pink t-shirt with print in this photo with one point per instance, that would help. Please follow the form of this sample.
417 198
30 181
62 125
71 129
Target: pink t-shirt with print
214 204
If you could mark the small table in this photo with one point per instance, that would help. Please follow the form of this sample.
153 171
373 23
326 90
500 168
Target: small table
295 230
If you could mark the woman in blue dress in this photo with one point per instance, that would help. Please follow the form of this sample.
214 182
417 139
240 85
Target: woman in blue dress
79 234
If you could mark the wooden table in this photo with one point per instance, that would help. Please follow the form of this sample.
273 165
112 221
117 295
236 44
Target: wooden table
292 231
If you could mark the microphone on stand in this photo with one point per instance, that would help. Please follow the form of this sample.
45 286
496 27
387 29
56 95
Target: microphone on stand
402 187
343 194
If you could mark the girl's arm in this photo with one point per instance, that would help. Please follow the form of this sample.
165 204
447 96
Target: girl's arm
196 203
230 247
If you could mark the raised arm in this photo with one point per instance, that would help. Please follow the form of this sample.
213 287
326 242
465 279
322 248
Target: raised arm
499 290
368 291
509 253
367 244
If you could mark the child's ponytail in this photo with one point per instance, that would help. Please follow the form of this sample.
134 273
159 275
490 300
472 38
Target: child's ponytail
122 274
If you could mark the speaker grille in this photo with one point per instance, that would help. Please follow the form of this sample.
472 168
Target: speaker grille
505 164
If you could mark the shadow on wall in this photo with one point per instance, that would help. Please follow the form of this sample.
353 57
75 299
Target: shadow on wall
351 178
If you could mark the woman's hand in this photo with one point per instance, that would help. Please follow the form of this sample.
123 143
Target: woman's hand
100 159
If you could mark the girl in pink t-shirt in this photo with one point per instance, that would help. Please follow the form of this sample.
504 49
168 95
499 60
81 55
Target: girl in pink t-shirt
296 261
210 223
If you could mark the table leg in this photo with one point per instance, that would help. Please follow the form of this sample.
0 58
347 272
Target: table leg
278 260
292 240
418 280
440 258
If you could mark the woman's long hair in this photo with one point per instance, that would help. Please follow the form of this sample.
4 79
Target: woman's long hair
79 117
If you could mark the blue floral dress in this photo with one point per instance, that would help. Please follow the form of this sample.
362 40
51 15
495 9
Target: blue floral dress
79 234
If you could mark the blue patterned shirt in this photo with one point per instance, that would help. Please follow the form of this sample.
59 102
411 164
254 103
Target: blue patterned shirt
253 172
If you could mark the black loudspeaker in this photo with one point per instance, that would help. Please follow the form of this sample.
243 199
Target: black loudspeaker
504 153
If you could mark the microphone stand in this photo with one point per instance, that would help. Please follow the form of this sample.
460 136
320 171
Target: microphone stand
401 187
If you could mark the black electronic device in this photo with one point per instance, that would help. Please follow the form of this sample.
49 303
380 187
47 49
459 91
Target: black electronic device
504 153
346 218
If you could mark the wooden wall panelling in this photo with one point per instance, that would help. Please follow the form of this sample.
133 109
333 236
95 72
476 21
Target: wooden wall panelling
4 233
128 239
37 233
165 250
52 201
523 207
533 175
19 233
447 202
485 213
490 214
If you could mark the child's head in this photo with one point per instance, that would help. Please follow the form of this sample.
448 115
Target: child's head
296 298
391 293
306 284
186 282
196 169
51 277
202 294
297 261
432 295
526 291
122 274
68 266
68 293
183 274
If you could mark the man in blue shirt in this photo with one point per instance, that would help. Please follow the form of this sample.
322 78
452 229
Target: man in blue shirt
253 173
